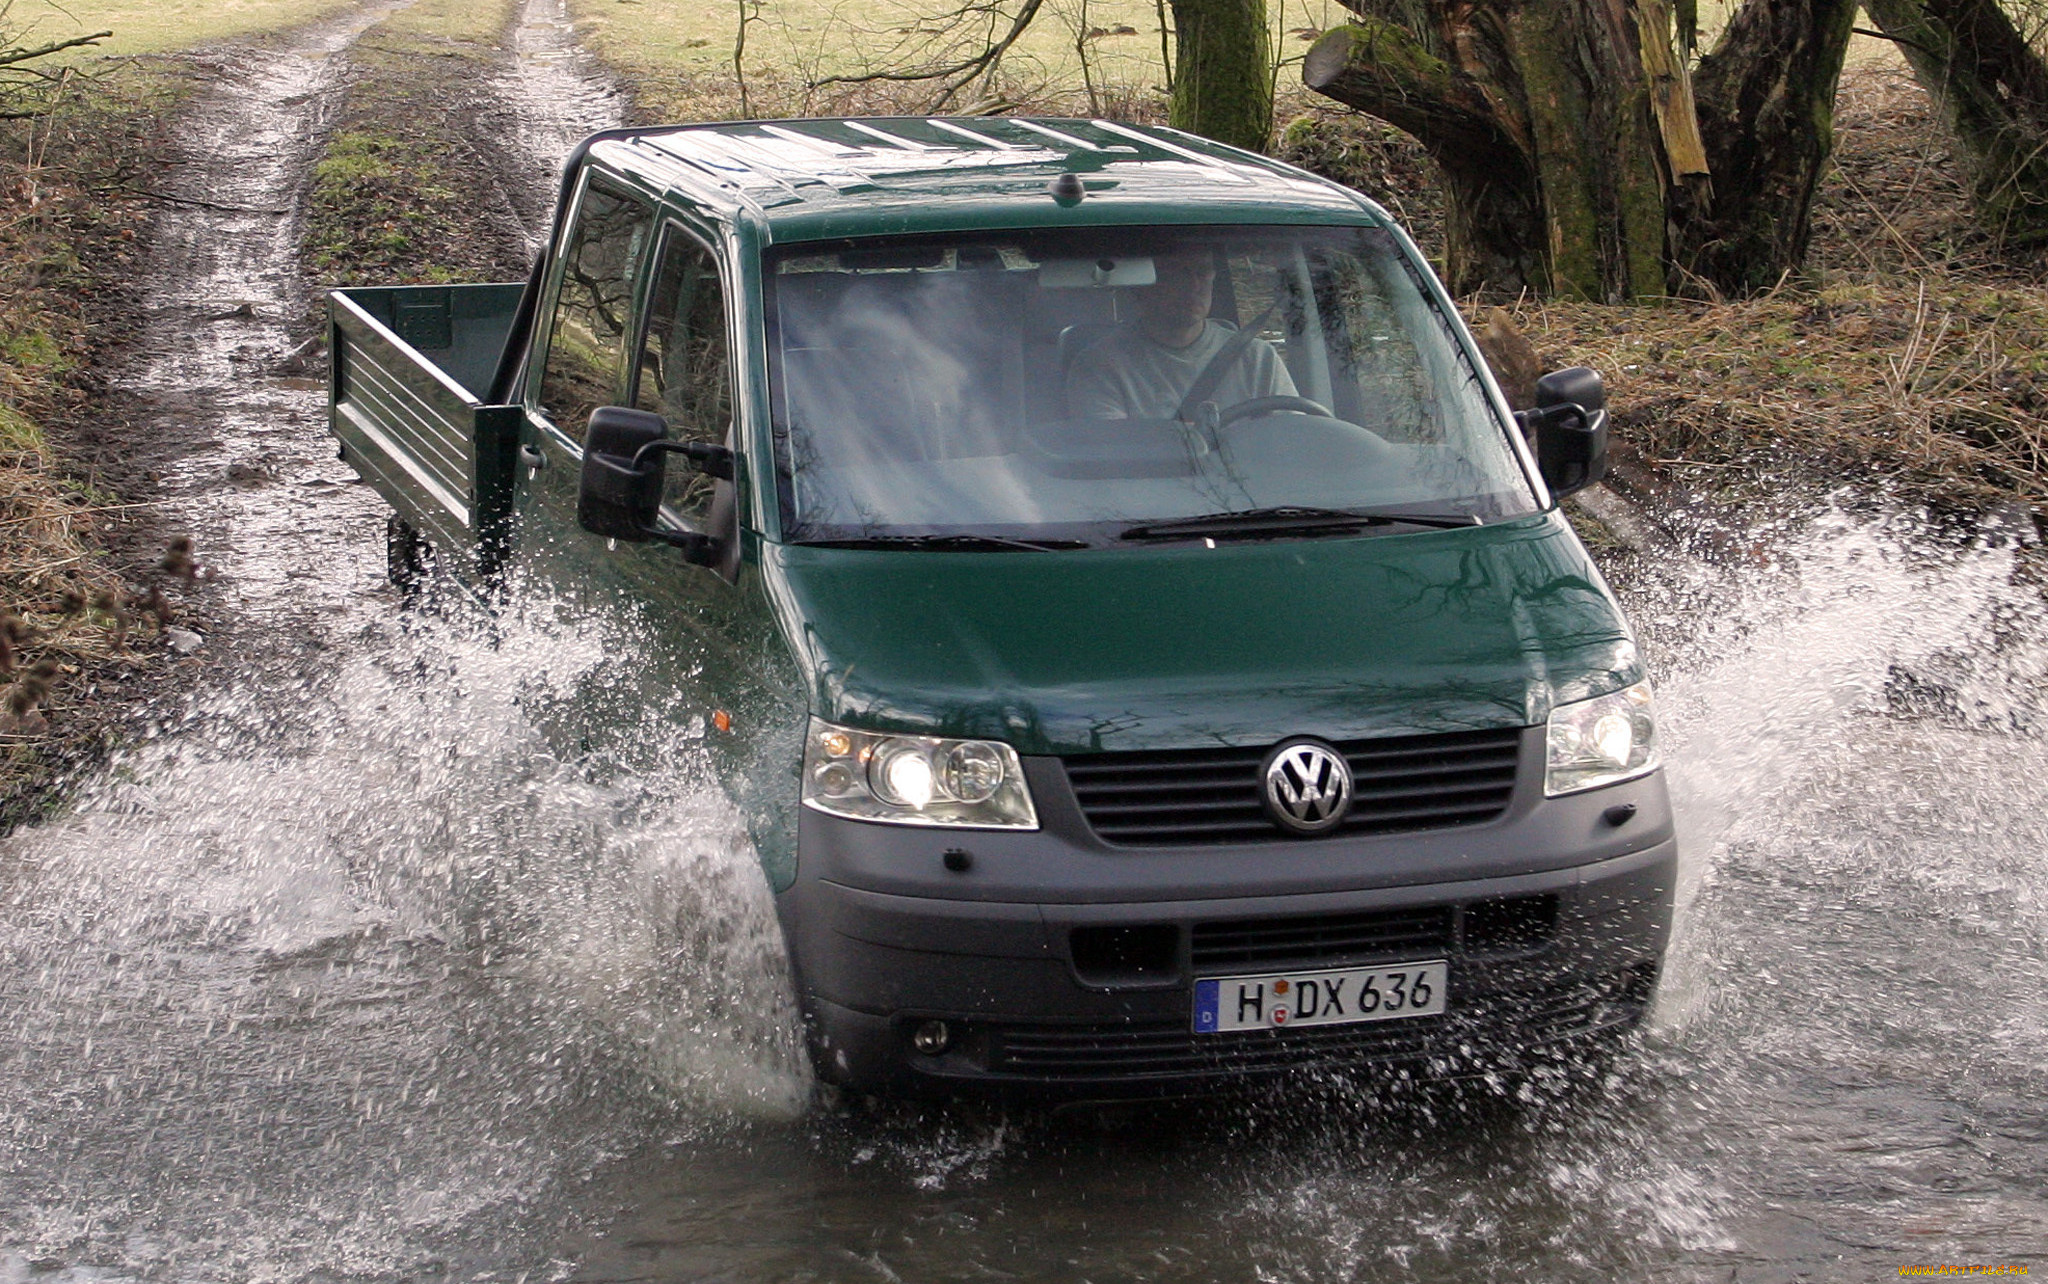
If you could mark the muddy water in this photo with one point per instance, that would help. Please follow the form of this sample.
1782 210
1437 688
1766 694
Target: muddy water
557 91
350 971
384 985
222 284
553 95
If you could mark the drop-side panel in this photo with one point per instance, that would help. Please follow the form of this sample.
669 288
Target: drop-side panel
410 427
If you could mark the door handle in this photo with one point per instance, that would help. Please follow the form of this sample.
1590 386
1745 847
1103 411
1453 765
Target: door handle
530 456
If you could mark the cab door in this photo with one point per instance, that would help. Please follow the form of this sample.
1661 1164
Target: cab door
578 364
639 318
682 371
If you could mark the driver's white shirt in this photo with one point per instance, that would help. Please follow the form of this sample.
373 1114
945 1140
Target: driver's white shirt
1128 376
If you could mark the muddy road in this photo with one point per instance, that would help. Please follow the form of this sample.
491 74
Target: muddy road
344 974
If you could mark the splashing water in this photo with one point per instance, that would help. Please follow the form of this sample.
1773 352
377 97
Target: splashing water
370 977
371 950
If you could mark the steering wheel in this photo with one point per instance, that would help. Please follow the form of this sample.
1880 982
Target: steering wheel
1271 405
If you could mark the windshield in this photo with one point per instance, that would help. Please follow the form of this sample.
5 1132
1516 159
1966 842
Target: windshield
1066 388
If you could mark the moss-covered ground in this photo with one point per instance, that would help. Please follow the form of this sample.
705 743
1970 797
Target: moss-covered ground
395 198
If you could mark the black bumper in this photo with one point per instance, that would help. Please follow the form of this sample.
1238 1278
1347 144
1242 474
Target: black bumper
1553 920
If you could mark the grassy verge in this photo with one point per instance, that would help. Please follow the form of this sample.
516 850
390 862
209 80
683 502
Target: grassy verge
1930 389
1908 362
75 620
154 26
395 197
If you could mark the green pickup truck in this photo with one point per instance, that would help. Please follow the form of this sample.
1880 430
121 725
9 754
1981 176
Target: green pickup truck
1145 647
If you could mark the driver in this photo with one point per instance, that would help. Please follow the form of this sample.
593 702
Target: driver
1144 371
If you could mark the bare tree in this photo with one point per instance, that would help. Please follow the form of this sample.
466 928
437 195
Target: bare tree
1992 84
28 90
1582 156
953 56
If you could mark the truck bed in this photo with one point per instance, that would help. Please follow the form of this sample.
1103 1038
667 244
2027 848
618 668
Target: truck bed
409 371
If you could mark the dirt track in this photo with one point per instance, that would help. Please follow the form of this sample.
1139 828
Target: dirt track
215 416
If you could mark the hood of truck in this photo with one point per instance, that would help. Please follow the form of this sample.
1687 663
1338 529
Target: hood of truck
1183 646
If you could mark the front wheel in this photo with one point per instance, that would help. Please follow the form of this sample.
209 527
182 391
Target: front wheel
408 559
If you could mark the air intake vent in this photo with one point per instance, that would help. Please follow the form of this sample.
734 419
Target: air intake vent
1329 938
1190 797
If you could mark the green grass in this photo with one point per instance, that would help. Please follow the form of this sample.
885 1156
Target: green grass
476 22
151 26
36 349
19 434
381 209
678 54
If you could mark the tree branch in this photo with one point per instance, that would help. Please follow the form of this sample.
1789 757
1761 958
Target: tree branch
1384 71
965 70
167 199
12 56
1897 40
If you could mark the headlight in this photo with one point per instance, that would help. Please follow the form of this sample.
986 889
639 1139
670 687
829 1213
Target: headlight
1599 741
915 780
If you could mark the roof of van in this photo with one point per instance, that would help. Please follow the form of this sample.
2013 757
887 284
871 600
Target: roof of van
810 179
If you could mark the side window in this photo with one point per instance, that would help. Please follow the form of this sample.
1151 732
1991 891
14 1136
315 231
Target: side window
684 373
587 338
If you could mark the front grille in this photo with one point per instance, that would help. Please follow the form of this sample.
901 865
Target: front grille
1488 1027
1206 796
1322 938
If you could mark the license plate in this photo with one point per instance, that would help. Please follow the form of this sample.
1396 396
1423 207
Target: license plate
1319 998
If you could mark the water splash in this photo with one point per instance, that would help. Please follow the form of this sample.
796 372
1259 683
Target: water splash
376 970
380 927
1859 642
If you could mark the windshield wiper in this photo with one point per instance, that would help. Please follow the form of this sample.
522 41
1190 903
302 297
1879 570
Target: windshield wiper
1288 519
946 543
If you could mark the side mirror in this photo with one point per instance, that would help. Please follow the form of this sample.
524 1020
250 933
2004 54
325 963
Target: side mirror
1570 420
619 493
620 490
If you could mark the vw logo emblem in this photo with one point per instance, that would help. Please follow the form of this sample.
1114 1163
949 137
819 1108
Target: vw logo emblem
1307 785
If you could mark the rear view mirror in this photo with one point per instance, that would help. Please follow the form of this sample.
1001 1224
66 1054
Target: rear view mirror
1096 274
1570 420
619 493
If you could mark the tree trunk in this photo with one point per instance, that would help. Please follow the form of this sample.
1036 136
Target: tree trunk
1766 98
1539 115
1574 153
1223 71
1993 87
1494 225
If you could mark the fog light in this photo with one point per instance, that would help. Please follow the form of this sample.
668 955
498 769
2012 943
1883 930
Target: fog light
932 1038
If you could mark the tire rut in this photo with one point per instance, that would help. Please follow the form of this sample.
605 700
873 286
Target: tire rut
202 425
214 418
552 95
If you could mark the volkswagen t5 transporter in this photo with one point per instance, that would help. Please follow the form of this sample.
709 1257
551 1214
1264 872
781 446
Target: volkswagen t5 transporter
1147 651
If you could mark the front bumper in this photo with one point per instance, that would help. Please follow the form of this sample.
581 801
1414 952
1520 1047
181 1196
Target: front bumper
1553 920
